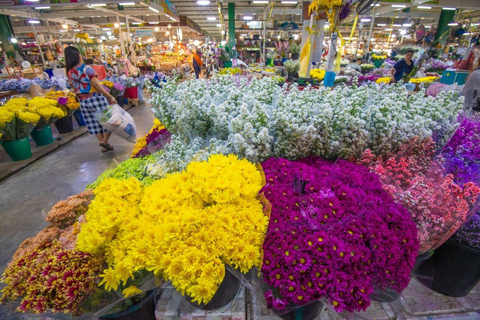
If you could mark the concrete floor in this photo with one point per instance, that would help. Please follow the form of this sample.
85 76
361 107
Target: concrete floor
27 196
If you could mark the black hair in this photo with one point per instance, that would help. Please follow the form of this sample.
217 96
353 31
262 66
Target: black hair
409 50
72 57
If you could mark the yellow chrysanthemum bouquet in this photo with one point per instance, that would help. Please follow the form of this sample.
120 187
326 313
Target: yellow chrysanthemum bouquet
16 122
185 227
47 109
66 100
317 74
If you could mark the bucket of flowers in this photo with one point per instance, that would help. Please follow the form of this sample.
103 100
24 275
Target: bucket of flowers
334 235
16 123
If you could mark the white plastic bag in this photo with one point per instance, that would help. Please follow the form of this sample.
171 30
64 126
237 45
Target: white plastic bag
118 121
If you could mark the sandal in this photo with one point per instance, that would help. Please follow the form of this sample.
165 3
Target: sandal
105 150
107 146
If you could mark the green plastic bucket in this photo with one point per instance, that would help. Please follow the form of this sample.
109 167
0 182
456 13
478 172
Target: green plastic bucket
18 150
42 137
378 63
227 64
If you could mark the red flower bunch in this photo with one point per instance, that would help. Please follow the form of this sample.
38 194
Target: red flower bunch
333 233
418 181
51 278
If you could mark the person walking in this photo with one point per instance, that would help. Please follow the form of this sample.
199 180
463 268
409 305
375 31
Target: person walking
92 96
197 63
402 68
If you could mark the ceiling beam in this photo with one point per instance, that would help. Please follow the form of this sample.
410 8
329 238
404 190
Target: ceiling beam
35 15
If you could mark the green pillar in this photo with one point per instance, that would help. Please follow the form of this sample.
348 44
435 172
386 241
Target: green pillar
231 25
6 33
445 18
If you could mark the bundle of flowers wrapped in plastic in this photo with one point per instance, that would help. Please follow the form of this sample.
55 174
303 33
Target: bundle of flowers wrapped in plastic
256 119
438 204
113 87
437 65
423 80
317 74
367 67
47 109
179 226
65 99
154 141
333 234
379 56
230 71
15 123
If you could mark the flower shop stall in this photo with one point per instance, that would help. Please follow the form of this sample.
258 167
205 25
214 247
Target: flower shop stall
316 197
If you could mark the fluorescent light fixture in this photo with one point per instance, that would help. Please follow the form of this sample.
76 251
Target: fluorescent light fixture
475 24
397 25
452 24
466 34
98 5
109 33
154 22
219 25
32 0
34 21
13 40
381 24
127 3
157 29
103 38
211 18
389 29
116 25
407 24
247 17
428 27
106 29
203 2
76 30
448 8
403 32
289 2
365 19
424 7
63 30
40 8
65 26
223 31
260 1
377 5
153 9
136 23
398 6
122 23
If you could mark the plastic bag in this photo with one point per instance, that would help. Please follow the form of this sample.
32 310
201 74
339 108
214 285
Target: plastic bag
118 121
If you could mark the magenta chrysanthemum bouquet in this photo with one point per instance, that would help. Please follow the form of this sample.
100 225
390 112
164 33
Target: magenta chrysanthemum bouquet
439 204
334 234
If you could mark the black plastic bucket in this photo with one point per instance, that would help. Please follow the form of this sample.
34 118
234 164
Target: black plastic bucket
143 309
453 270
64 125
227 291
308 311
387 295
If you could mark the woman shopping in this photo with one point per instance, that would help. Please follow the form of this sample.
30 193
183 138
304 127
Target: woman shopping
90 93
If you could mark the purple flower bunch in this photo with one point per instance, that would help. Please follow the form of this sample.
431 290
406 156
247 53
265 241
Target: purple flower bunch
436 64
345 10
156 141
462 152
334 234
462 158
368 78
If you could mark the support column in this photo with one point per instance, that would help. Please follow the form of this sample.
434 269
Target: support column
306 22
231 25
372 23
38 45
264 37
318 41
445 18
120 36
6 34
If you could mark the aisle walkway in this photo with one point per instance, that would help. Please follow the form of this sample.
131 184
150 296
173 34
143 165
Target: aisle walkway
27 196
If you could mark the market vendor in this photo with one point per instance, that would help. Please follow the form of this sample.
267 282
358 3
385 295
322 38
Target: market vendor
197 63
471 90
402 68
